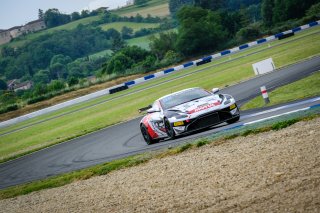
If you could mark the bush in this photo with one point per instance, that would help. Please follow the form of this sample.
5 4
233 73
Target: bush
9 108
249 33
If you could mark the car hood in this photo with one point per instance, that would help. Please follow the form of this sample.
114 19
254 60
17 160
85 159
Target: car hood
199 105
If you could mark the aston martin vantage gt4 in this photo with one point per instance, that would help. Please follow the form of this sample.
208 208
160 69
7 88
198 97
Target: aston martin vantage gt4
186 111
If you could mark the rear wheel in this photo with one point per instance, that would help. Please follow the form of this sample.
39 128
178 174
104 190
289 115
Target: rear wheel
147 138
170 132
233 120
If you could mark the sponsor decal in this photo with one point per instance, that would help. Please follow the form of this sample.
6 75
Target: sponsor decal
204 107
232 106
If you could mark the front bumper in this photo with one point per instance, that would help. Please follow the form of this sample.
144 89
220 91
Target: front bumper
207 120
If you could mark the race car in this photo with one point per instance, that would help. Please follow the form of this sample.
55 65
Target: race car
186 111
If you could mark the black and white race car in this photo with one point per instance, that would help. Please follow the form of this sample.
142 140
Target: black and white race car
186 111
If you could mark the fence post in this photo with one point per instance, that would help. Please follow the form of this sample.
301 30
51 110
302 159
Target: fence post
265 94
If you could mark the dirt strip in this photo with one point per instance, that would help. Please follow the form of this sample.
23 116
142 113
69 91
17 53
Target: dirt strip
277 171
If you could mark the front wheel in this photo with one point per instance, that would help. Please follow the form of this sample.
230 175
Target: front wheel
233 120
147 138
170 132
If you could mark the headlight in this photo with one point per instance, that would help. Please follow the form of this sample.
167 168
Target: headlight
158 124
228 98
179 116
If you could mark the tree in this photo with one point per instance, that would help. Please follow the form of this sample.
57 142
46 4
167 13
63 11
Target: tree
117 43
248 33
267 11
3 85
171 57
40 14
56 85
278 11
75 16
314 11
42 76
175 5
58 71
161 44
126 32
200 31
53 18
40 89
60 58
119 63
128 57
7 51
210 4
138 18
72 81
84 13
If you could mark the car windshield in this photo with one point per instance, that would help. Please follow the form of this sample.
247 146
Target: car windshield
183 97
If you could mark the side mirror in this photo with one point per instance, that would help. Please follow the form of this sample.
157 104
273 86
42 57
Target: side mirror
215 90
152 110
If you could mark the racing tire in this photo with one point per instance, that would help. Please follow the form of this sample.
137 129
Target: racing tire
170 132
147 138
233 120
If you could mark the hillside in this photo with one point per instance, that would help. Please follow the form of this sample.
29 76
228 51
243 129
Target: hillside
154 7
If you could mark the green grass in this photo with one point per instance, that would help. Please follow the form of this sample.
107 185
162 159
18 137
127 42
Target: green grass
142 42
304 88
125 108
101 54
135 26
154 7
131 161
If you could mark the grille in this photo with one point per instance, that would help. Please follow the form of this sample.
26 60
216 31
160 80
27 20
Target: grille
224 115
204 121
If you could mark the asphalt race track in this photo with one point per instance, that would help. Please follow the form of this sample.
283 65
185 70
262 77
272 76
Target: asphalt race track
125 139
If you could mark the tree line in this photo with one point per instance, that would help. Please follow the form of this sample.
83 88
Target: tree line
206 26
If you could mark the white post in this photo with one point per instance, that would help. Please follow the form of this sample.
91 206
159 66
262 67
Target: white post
265 94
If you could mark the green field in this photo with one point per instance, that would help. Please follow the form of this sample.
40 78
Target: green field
304 88
142 42
154 7
101 54
135 26
125 108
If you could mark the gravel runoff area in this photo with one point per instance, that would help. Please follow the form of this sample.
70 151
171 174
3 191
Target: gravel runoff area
276 171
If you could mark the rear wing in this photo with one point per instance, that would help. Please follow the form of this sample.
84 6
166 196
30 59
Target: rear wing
144 108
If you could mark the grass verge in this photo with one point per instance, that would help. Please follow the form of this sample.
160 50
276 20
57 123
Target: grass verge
216 74
154 7
128 162
135 26
304 88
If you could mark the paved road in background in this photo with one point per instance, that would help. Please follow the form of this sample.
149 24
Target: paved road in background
124 139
